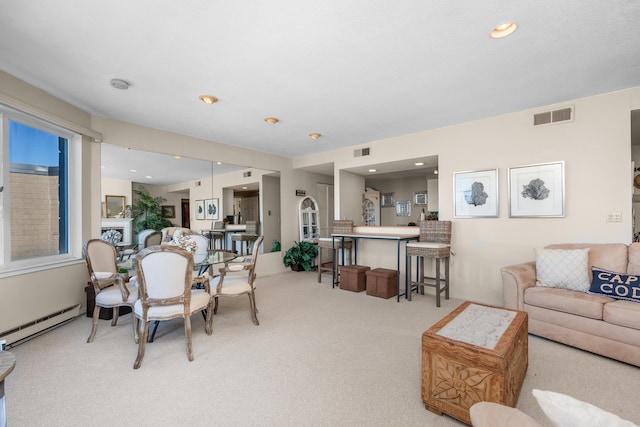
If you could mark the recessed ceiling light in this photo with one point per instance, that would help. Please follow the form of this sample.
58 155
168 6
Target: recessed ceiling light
132 170
148 176
208 99
314 135
372 170
435 172
119 84
219 163
244 188
503 30
177 157
271 120
419 164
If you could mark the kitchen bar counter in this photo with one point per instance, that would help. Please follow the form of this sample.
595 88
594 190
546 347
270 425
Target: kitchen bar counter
397 234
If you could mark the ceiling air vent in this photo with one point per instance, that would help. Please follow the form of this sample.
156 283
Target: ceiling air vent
361 152
555 116
246 174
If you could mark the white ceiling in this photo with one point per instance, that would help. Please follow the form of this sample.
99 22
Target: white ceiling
354 71
154 168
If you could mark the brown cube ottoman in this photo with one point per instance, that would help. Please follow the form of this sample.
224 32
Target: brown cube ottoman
382 282
352 277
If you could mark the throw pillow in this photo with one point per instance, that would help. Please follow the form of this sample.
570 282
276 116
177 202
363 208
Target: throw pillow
615 285
565 411
563 268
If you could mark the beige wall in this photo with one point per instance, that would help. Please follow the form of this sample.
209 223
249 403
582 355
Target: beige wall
29 295
597 154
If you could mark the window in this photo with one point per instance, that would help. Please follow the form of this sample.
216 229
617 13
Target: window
35 192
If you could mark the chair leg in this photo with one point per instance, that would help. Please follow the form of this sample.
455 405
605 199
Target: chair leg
116 312
187 331
446 277
215 308
94 326
136 326
142 341
208 322
252 303
438 290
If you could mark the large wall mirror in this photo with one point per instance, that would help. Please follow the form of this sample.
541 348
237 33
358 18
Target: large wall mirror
234 193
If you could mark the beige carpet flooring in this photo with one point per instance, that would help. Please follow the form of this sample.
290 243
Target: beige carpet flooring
320 357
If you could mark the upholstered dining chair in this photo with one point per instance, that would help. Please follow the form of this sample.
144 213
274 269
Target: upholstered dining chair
164 279
146 238
109 287
238 279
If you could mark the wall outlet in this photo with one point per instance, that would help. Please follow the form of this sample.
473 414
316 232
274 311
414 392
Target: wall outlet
614 216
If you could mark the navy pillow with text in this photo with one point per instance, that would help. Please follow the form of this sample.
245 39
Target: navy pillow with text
615 285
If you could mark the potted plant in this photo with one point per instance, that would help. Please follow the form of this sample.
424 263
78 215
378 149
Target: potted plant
300 256
147 211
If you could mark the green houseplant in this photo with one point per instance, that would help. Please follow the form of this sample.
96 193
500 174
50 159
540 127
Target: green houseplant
147 211
300 256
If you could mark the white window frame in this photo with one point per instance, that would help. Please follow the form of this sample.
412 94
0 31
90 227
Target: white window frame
74 171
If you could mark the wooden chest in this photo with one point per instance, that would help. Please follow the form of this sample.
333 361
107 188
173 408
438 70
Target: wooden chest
458 372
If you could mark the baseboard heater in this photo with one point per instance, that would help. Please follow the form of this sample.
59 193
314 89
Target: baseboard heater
40 325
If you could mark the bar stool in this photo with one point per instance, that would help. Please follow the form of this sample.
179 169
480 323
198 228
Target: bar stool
250 235
434 242
327 243
217 235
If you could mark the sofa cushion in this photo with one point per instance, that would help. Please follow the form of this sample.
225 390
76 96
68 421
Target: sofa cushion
563 268
615 285
622 313
567 411
567 301
634 259
610 256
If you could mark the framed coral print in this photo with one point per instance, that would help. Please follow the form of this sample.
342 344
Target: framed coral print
211 209
536 190
475 194
199 209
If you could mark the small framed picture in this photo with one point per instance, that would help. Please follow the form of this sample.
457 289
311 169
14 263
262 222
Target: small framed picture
476 194
536 190
168 211
199 209
211 209
420 198
403 208
386 200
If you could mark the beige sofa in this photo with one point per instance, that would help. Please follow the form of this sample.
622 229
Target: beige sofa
595 323
168 232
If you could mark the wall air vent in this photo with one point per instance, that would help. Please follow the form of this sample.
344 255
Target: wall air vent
361 152
555 116
246 174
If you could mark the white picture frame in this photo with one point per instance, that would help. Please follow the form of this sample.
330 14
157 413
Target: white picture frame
200 209
475 194
211 209
537 190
